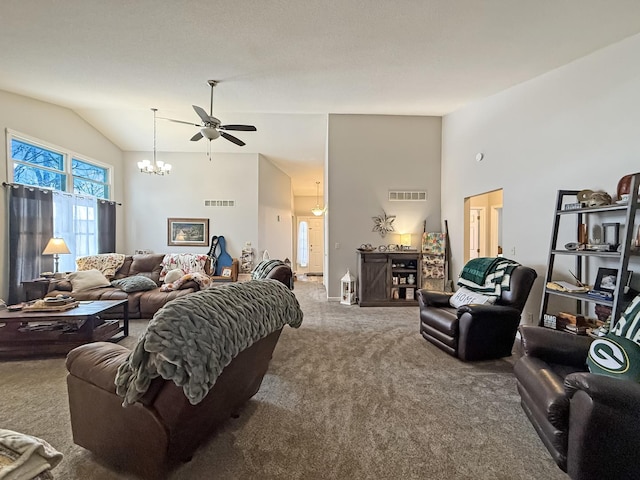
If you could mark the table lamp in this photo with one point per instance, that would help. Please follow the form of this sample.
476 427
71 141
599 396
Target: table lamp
55 247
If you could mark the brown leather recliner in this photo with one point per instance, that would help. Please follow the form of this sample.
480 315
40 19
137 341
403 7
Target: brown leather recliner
589 423
476 332
152 436
163 428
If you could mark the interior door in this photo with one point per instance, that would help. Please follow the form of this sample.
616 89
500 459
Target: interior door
474 233
316 244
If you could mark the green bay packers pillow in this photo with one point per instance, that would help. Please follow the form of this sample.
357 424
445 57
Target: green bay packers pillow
615 356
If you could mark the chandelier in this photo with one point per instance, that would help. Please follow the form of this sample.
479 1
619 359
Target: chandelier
158 167
317 210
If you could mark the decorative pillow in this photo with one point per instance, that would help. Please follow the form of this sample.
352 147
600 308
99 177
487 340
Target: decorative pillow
464 296
88 279
615 356
106 263
136 283
173 275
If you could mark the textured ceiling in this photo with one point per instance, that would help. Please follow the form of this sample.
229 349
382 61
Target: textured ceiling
285 64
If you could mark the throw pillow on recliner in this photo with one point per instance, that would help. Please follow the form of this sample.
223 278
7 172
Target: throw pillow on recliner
617 354
464 296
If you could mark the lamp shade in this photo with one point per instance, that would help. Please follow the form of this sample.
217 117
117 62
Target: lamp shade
56 246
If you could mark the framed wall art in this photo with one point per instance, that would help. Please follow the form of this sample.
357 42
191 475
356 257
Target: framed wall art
186 232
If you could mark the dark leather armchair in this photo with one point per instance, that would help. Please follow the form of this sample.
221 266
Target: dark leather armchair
476 332
589 423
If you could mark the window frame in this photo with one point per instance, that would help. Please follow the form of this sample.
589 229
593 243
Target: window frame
68 157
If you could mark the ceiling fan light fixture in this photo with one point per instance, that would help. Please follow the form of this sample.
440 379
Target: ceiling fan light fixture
210 133
158 167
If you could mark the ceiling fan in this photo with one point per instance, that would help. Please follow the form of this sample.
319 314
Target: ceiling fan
210 127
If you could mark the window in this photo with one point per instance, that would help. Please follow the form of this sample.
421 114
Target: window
303 244
75 213
41 165
37 166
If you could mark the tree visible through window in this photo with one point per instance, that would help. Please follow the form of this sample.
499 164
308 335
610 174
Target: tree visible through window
47 167
40 167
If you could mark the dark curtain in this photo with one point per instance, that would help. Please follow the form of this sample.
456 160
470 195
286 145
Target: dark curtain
106 226
30 228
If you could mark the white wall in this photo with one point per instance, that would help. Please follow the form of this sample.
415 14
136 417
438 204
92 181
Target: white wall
368 155
573 128
62 127
151 199
275 212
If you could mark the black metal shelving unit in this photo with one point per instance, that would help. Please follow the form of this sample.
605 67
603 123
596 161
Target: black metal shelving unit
622 256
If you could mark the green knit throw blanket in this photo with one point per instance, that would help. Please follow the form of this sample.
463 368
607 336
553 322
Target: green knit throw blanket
192 338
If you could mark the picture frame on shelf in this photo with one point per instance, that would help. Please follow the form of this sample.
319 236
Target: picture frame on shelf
606 279
185 232
226 272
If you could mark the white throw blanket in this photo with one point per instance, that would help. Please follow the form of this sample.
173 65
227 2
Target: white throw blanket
192 338
30 456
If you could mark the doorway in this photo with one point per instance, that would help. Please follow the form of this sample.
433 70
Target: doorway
483 225
310 257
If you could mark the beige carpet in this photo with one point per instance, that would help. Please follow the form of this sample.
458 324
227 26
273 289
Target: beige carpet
355 393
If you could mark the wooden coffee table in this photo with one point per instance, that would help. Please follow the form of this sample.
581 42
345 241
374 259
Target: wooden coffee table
28 334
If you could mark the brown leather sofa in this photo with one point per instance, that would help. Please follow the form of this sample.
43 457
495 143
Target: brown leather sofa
476 332
589 423
142 304
162 429
152 436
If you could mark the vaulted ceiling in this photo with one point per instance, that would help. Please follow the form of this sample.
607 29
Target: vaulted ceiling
283 65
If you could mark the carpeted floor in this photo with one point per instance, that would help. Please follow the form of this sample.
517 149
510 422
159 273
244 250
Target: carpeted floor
355 393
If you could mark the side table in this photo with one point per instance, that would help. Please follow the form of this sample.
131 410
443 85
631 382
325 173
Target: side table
36 288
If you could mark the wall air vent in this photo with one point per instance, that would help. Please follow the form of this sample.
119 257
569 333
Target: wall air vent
407 196
219 203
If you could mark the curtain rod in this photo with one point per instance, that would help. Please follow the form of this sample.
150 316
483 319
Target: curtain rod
5 184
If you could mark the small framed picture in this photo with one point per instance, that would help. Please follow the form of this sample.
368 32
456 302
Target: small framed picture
226 272
409 294
606 280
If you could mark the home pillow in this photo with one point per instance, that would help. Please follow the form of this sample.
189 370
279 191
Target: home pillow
136 283
464 296
88 279
173 275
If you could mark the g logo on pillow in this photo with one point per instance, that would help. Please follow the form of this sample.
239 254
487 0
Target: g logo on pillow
616 357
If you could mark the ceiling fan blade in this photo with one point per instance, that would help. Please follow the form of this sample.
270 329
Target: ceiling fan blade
233 139
180 121
243 128
202 114
196 137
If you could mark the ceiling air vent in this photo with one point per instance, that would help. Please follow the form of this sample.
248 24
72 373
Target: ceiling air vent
219 203
407 196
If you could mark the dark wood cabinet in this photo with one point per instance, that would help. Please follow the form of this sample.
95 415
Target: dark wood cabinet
35 289
388 278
